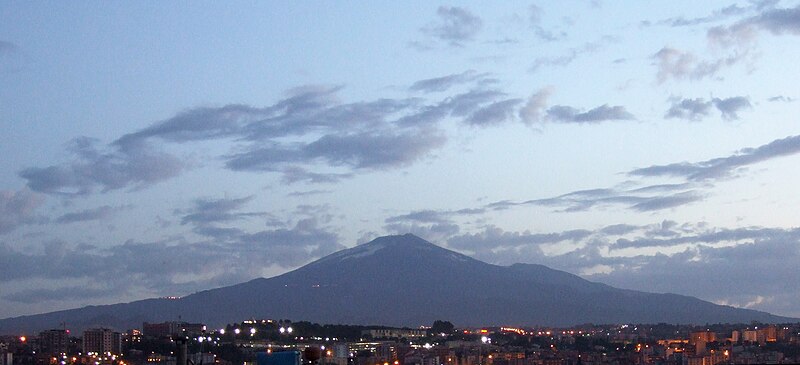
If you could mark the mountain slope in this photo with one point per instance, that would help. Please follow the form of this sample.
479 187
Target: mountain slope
405 280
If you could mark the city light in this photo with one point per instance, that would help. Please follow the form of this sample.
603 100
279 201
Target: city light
237 331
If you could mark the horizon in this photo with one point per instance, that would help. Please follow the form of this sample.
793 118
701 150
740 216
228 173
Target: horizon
156 150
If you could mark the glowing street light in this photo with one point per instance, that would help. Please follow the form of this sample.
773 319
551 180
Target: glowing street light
252 331
237 331
282 330
222 331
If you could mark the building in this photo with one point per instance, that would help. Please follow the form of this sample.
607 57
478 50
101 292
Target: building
171 328
102 341
394 333
54 342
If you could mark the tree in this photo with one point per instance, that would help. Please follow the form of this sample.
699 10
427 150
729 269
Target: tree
442 327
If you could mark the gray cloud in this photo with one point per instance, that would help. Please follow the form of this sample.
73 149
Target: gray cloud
366 150
493 239
704 255
17 208
443 83
691 109
131 165
216 210
640 199
731 106
697 109
206 215
777 21
311 128
99 213
568 114
309 193
455 25
33 296
161 268
781 98
724 167
495 113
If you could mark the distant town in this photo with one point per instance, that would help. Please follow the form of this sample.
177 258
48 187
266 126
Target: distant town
260 341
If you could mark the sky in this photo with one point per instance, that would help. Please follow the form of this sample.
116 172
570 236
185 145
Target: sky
162 148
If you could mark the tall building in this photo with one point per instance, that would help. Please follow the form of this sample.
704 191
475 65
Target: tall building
53 342
102 340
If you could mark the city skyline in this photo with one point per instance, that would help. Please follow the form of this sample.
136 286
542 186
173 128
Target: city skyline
157 150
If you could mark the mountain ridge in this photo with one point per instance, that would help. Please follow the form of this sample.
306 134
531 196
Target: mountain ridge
404 280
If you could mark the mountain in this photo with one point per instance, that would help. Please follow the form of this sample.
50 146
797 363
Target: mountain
406 281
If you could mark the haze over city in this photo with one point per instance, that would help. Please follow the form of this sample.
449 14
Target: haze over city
160 149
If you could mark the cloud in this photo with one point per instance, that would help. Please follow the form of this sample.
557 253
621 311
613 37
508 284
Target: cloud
206 215
366 150
309 193
99 213
17 208
495 239
312 136
160 268
679 65
699 108
731 106
682 258
723 167
443 83
535 21
568 114
639 199
536 103
717 15
134 165
455 26
691 109
781 98
34 296
778 21
571 54
495 113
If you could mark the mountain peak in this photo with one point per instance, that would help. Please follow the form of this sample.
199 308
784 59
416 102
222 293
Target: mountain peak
403 245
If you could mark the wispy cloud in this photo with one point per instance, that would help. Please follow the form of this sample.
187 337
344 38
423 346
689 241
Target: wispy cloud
130 165
723 167
455 26
568 114
99 213
675 64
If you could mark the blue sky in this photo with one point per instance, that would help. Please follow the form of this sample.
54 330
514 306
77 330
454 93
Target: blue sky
155 149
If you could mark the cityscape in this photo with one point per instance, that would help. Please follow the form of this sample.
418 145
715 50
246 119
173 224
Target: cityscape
440 343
